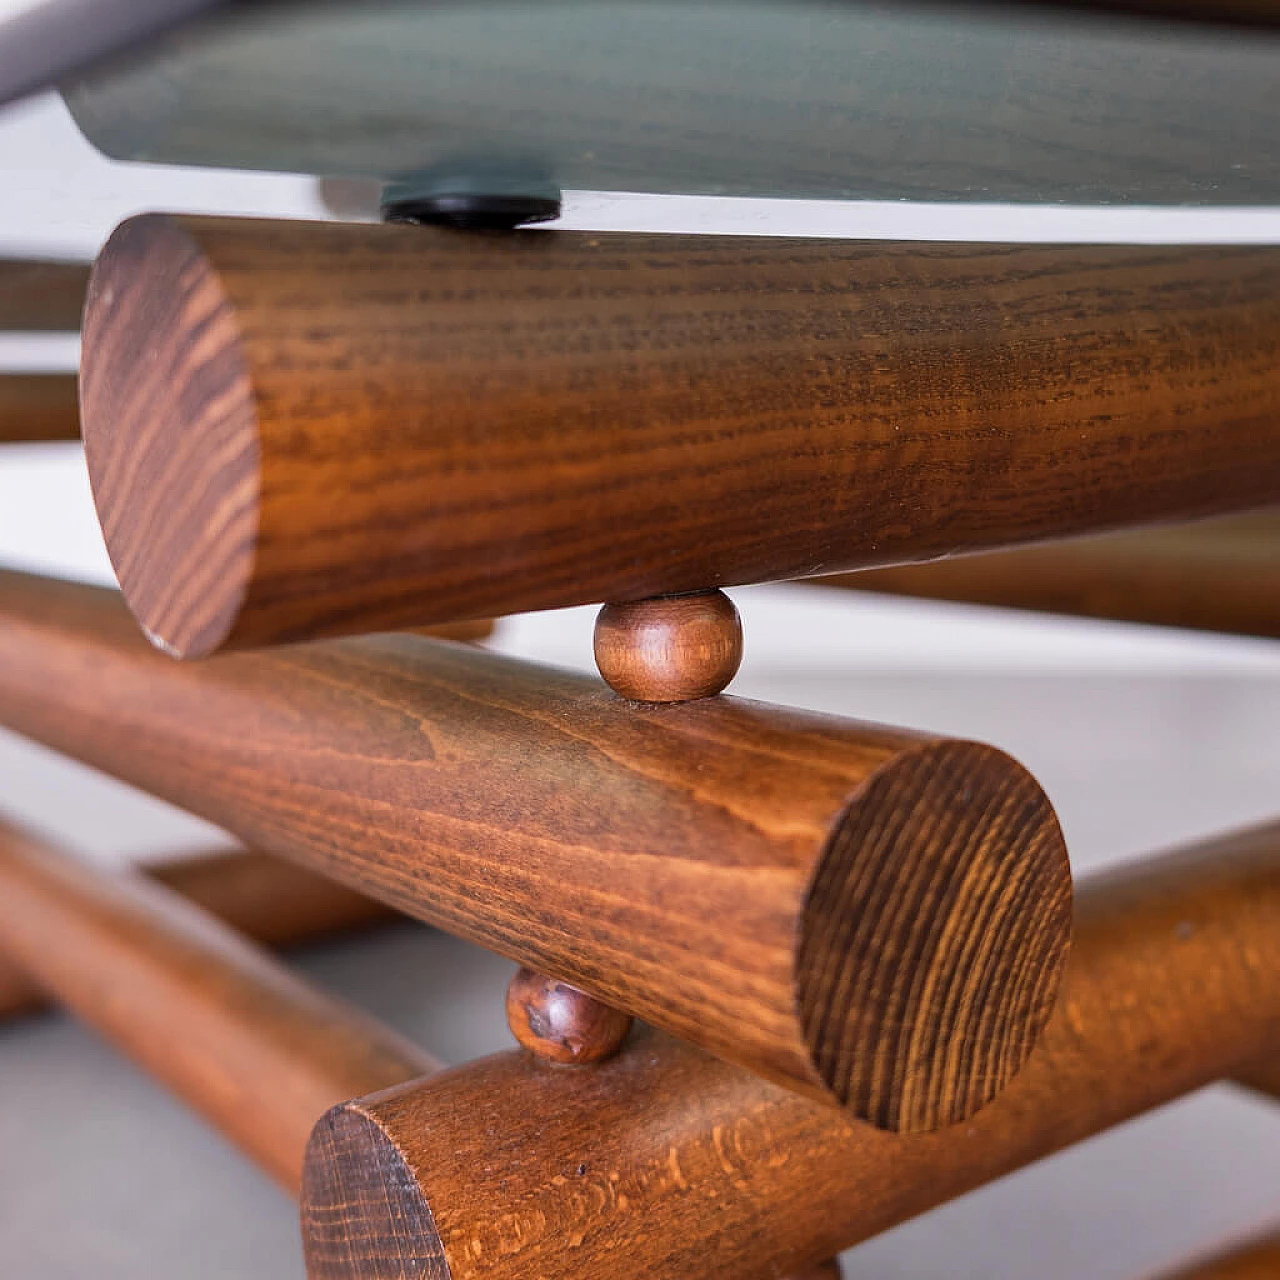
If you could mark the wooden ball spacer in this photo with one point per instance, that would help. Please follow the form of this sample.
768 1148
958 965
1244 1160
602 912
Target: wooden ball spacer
670 648
560 1024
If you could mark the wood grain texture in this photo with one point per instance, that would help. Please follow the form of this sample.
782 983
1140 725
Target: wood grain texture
342 428
1257 1261
40 296
272 901
560 1024
38 407
1217 575
665 1162
671 648
247 1043
874 917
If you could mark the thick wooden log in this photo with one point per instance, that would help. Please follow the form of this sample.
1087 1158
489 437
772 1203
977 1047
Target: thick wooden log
1221 575
665 1162
41 297
1257 1261
874 917
271 901
342 428
38 407
250 1045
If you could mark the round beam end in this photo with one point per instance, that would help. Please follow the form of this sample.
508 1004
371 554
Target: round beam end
670 648
363 1211
171 434
934 937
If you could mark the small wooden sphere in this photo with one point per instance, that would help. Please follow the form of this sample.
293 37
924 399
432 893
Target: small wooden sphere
670 648
561 1024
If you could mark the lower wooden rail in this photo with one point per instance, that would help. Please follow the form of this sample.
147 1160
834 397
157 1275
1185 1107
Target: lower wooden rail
272 901
665 1162
40 296
38 407
256 1049
1219 575
1257 1261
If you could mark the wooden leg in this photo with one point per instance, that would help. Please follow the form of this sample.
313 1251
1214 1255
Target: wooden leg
271 901
248 1043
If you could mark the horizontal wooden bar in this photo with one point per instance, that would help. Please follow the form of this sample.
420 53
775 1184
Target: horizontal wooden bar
343 428
665 1162
38 296
271 901
1219 575
1257 1261
250 1045
874 917
38 407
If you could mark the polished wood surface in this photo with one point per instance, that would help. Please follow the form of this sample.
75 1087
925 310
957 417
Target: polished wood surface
247 1043
39 296
1215 575
272 901
671 648
874 917
665 1162
1258 1261
1263 1076
38 407
342 428
558 1023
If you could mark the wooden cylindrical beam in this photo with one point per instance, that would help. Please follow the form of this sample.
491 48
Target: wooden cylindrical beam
1219 575
272 901
664 1162
41 297
874 917
249 1044
301 429
38 407
1257 1261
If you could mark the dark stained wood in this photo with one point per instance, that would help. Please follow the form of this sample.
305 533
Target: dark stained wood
873 917
665 1162
1218 575
669 649
38 407
250 1045
41 297
1258 1261
1262 1076
341 428
828 1270
560 1024
272 901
